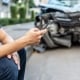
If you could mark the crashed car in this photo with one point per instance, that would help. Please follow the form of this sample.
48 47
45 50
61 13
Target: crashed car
62 22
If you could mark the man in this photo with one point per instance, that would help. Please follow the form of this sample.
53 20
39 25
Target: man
19 59
9 48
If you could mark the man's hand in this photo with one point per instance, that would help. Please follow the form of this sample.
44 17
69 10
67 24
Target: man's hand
16 59
34 35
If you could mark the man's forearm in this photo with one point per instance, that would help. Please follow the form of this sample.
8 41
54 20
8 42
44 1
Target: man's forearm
13 46
4 37
7 39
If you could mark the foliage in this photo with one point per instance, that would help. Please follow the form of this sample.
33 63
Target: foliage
18 9
31 4
14 11
15 1
12 21
32 15
4 21
22 11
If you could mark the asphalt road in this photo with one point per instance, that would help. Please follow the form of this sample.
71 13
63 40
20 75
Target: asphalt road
56 64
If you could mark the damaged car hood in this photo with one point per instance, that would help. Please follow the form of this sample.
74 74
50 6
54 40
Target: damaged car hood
54 4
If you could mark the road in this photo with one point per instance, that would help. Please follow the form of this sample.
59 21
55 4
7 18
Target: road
56 64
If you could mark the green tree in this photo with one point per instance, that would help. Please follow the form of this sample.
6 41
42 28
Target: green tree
15 1
31 4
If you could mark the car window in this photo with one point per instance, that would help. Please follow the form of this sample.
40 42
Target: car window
69 3
56 2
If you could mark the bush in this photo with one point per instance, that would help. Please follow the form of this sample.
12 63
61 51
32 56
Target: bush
4 21
13 21
14 11
31 4
22 12
15 1
32 15
25 20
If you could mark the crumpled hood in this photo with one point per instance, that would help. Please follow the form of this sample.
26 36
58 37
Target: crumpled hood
64 8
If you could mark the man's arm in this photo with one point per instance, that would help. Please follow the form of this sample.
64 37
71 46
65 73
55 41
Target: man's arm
32 37
4 37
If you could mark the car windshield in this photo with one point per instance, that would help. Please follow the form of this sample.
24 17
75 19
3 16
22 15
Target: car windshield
67 3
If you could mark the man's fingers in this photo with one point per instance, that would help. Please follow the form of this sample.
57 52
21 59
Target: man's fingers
15 59
9 56
43 31
35 29
40 37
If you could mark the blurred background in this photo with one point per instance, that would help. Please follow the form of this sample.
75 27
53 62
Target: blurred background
21 11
